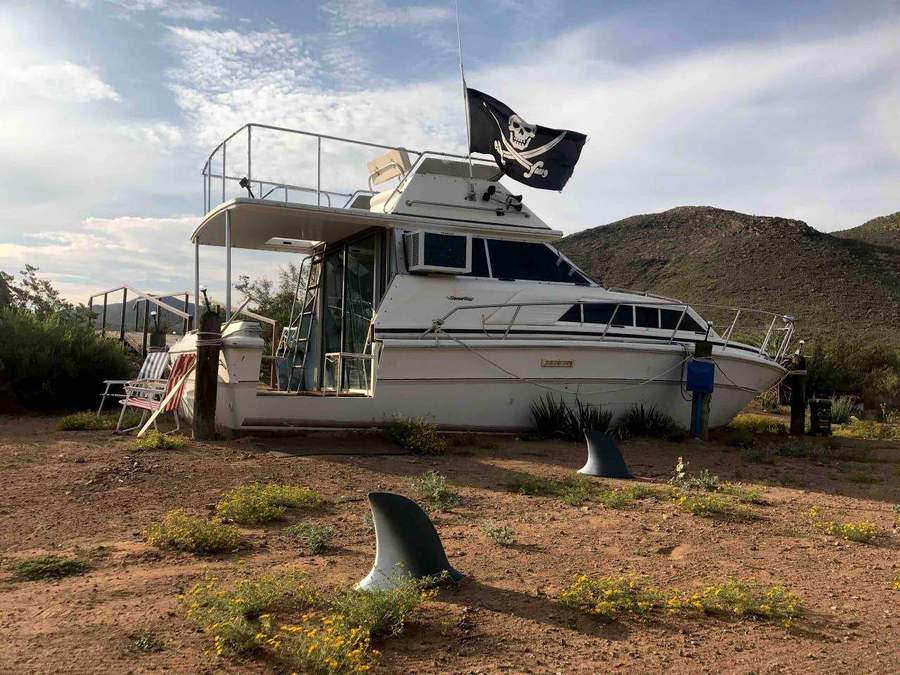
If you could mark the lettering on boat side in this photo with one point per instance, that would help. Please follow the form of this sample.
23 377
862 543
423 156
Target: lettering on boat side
556 363
460 298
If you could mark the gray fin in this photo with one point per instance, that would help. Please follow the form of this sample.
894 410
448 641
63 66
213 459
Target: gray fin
604 457
406 543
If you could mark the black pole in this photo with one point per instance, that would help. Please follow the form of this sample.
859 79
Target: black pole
184 324
122 319
103 329
93 318
146 326
206 376
798 393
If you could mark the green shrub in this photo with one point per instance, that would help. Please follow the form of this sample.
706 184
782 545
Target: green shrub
868 370
549 415
181 531
256 503
314 538
705 480
842 407
862 531
857 428
57 363
47 567
147 642
502 535
416 435
533 486
758 424
154 440
576 491
554 418
432 487
88 421
647 422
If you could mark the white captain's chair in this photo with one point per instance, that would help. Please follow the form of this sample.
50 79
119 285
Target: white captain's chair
392 164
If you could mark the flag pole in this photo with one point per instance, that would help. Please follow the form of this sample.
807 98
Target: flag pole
462 76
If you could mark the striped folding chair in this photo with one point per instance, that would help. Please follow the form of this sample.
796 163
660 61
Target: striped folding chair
152 369
144 395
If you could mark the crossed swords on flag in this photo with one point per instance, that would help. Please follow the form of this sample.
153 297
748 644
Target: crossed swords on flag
509 152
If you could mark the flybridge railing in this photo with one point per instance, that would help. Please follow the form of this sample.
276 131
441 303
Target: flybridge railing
769 346
271 162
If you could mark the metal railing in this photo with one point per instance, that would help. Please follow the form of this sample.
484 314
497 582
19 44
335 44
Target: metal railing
763 349
217 178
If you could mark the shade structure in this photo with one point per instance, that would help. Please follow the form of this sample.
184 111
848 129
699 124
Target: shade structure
604 457
406 544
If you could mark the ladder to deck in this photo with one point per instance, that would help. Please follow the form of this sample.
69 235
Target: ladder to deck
299 331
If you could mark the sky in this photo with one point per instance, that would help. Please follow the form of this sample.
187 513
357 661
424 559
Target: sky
109 109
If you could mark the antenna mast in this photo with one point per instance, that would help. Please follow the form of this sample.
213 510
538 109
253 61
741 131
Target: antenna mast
462 76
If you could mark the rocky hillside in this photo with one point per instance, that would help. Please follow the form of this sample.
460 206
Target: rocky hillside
833 284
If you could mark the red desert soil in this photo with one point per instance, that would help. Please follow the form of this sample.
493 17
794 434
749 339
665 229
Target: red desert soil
86 493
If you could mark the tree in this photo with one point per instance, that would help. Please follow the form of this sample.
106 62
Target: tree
271 301
37 296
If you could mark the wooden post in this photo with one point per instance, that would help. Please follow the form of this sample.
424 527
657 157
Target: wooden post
206 377
103 329
146 326
797 380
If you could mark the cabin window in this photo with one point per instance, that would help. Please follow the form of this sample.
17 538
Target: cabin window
670 319
646 317
572 314
525 261
602 312
479 259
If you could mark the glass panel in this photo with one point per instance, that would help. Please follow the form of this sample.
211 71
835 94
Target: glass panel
444 250
688 323
601 312
572 314
479 259
359 303
530 262
647 317
333 312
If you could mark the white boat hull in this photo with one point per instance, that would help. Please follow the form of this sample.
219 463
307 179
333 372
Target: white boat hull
489 385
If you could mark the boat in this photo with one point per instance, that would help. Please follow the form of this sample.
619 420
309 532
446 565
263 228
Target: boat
430 290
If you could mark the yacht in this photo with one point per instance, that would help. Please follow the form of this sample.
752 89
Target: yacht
429 289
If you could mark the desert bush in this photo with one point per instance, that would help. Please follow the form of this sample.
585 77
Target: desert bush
417 435
47 567
55 362
154 440
641 421
533 486
88 421
868 370
633 596
432 487
862 531
231 616
576 490
256 503
502 535
317 643
742 599
758 424
711 506
383 612
857 428
314 538
611 597
842 407
744 495
181 531
147 642
705 480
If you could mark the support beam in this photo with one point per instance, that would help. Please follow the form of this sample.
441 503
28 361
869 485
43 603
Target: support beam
103 327
197 282
227 265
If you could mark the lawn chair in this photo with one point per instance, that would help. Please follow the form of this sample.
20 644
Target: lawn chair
148 395
152 369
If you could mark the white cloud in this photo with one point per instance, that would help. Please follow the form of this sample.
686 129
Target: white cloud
375 14
64 81
191 10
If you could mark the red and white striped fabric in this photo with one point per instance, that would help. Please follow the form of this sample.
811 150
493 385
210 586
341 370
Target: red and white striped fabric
137 396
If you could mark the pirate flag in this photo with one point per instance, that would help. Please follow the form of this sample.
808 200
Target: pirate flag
537 156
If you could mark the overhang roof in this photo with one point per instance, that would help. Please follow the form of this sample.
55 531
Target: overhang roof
262 224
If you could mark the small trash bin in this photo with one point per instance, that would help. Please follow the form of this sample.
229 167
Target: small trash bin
820 416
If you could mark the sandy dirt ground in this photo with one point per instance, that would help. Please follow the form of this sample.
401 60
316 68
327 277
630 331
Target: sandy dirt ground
86 493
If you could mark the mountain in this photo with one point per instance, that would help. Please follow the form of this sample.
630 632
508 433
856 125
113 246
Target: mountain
881 231
835 285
